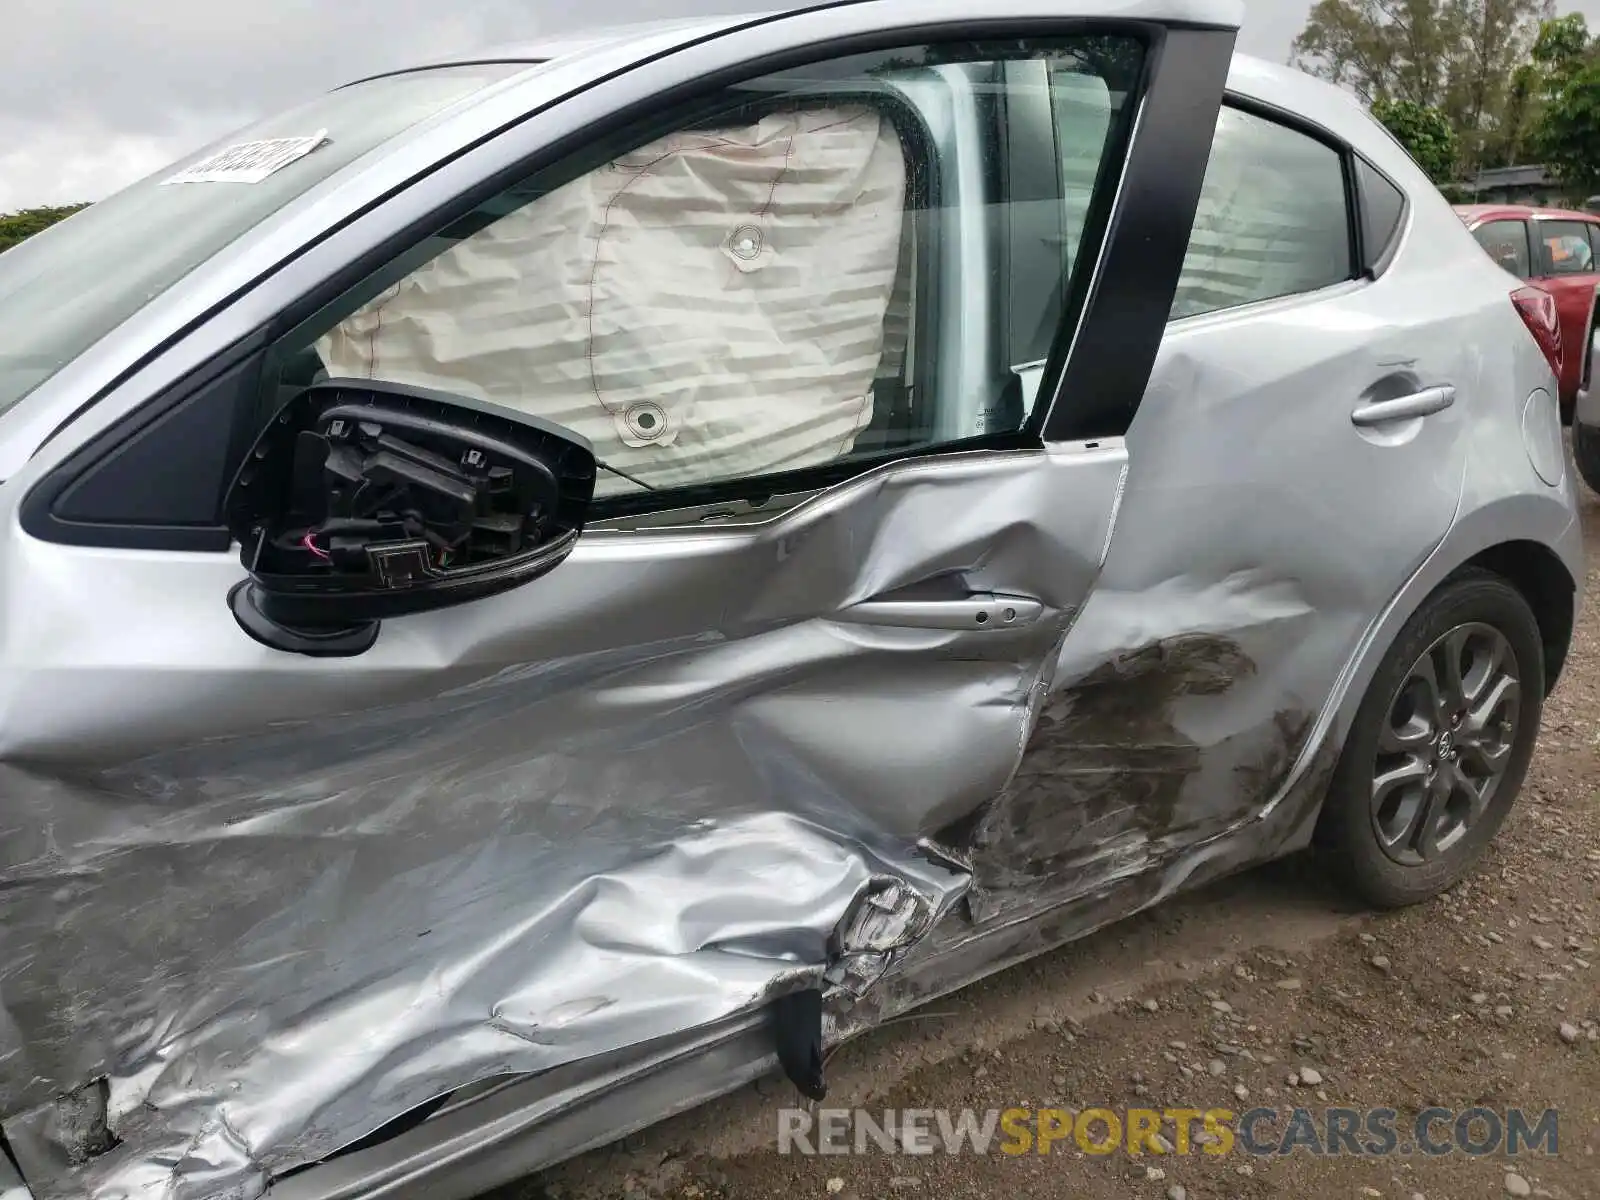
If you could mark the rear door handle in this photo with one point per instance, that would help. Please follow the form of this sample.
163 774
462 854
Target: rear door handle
1401 408
981 611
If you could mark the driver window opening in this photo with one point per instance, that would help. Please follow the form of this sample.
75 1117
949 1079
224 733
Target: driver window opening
830 266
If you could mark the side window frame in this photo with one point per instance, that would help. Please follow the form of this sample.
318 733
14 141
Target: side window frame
994 118
1179 63
923 180
1375 260
1356 271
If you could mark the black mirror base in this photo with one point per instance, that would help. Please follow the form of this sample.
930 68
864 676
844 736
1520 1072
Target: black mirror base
244 602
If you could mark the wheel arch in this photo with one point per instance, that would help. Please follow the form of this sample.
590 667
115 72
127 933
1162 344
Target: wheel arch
1546 584
1539 573
1534 541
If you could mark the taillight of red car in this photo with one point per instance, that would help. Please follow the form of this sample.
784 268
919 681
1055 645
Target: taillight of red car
1537 308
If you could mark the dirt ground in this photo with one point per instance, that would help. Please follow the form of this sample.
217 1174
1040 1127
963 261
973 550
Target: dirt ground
1213 1001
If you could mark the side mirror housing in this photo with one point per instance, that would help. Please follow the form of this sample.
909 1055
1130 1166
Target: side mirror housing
363 500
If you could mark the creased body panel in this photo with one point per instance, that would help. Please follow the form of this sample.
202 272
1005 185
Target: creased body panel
1260 536
277 902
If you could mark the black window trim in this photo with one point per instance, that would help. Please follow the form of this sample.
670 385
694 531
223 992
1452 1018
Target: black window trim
1376 263
1181 60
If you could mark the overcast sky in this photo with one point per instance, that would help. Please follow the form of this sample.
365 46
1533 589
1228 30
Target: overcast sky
95 95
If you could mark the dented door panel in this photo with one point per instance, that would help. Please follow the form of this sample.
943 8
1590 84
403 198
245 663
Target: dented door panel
330 895
259 906
1185 701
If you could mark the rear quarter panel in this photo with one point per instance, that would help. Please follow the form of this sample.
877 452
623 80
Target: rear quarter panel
1511 421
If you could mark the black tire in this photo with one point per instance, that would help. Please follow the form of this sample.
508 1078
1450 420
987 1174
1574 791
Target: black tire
1348 825
1586 454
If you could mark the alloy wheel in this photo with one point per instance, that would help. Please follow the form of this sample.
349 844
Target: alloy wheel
1445 743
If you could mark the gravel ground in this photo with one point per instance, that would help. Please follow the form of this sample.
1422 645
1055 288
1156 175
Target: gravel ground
1486 997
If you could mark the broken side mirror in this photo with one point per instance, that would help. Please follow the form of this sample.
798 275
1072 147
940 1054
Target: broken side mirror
363 500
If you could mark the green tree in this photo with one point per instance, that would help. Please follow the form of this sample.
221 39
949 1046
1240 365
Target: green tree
1460 57
1524 101
1567 132
1560 50
1563 126
1381 49
1497 37
1424 131
14 227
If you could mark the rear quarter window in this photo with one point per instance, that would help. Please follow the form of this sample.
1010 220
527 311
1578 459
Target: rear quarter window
1383 205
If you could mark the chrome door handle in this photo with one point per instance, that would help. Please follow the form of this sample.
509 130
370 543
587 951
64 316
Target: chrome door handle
979 612
1418 404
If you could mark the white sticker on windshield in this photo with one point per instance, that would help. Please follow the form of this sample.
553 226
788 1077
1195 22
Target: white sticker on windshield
249 162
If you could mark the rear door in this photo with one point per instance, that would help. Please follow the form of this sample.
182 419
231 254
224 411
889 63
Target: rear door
1291 467
275 900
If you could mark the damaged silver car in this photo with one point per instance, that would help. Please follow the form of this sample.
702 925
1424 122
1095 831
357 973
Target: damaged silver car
537 589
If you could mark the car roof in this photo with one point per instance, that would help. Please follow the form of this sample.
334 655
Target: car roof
1472 213
586 40
1248 76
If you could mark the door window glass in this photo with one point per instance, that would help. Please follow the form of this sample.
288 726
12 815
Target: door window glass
1507 243
1273 218
1563 248
805 270
1082 109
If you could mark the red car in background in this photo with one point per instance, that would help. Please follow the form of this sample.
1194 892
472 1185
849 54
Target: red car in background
1556 249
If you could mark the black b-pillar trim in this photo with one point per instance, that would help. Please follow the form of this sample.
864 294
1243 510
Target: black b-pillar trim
1126 308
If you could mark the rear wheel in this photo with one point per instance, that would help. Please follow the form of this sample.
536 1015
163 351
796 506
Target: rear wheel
1440 745
1586 453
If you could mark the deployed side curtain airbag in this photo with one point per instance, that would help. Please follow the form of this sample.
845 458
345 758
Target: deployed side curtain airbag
706 307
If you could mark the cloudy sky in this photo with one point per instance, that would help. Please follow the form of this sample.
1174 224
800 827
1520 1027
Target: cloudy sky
95 95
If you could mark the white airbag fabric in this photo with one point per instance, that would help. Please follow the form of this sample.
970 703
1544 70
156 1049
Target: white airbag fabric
709 306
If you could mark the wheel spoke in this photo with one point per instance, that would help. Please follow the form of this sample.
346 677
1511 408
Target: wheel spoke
1457 782
1506 691
1491 655
1485 756
1411 771
1407 737
1484 737
1447 657
1428 690
1411 777
1426 835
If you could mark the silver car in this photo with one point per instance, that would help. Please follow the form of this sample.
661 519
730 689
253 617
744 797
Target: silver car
537 589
